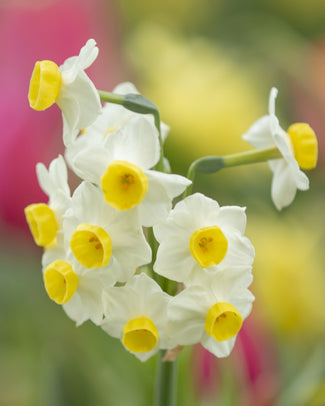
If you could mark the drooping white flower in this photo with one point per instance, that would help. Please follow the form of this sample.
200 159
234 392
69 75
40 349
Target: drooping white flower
122 164
76 288
199 238
211 314
137 315
113 117
70 87
43 219
101 237
298 147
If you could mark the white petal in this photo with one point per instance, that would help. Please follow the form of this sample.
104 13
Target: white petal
284 145
144 285
173 184
88 54
284 187
90 164
233 217
137 143
230 285
240 252
156 204
58 172
44 179
259 134
272 98
134 253
187 313
75 64
219 349
80 105
86 303
75 310
144 356
174 262
54 183
120 303
125 88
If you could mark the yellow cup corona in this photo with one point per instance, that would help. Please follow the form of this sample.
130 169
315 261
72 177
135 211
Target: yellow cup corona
44 85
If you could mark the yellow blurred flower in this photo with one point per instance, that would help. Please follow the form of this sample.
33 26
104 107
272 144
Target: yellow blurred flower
206 97
289 278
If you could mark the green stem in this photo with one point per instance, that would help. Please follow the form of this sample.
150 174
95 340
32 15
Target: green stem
212 164
109 97
251 157
166 382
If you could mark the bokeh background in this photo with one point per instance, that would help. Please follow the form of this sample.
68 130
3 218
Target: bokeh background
209 67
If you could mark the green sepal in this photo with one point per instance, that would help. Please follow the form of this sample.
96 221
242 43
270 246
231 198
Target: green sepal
208 164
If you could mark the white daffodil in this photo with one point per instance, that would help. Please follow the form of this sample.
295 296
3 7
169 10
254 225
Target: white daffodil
212 315
113 117
45 220
137 315
70 87
121 166
298 147
76 288
101 237
199 239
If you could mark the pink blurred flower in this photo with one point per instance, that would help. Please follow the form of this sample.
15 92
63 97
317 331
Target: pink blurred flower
51 30
254 367
205 373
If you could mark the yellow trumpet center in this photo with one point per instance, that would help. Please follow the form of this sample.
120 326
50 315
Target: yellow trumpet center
208 245
304 143
44 85
60 281
42 223
140 335
124 185
223 321
91 245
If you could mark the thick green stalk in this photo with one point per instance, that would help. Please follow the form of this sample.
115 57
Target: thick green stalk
166 382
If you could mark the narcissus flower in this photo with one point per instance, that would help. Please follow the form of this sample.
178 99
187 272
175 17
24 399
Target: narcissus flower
200 238
73 286
137 315
298 146
122 164
101 237
211 314
45 220
69 87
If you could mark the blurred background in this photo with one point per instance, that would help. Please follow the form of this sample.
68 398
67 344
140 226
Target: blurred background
209 67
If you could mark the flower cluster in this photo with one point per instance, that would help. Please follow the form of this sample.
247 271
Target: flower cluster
117 250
